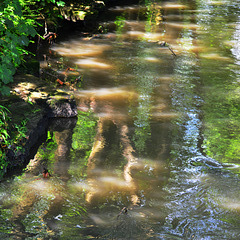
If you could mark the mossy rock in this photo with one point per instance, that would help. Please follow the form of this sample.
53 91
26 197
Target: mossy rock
62 106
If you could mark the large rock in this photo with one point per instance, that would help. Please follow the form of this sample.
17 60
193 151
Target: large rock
62 106
37 117
34 102
35 130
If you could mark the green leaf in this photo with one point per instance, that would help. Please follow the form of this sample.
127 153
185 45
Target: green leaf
4 134
32 31
60 3
6 75
5 90
2 29
18 9
9 23
24 40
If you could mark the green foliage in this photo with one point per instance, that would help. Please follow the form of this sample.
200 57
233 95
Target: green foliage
153 16
82 142
18 24
11 136
142 125
4 119
84 131
44 11
22 20
15 29
48 149
120 23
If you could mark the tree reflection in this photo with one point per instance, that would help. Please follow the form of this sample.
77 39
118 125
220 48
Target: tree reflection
203 93
220 93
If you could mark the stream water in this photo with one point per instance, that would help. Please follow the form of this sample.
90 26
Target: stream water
154 153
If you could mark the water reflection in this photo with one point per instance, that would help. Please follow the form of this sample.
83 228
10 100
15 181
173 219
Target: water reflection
93 63
151 154
236 45
74 48
219 104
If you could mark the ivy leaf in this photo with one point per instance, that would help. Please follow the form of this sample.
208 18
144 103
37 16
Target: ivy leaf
1 28
32 31
6 76
5 90
18 9
60 3
9 23
24 40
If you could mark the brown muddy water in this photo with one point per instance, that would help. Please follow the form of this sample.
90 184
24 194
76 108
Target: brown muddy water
154 153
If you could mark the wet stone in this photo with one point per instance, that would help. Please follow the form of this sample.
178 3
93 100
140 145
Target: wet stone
62 107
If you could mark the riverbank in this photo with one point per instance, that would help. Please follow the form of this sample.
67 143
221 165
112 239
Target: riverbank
40 92
32 104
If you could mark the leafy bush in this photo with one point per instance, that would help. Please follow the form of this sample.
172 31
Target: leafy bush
15 28
4 119
11 136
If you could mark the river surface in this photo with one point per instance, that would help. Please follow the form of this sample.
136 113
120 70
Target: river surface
154 152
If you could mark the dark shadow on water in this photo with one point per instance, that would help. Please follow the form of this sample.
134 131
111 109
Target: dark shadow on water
63 129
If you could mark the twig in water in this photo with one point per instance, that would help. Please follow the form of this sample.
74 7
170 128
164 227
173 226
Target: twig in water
172 51
165 44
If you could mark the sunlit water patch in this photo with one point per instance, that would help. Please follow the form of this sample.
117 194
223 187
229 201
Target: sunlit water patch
79 49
